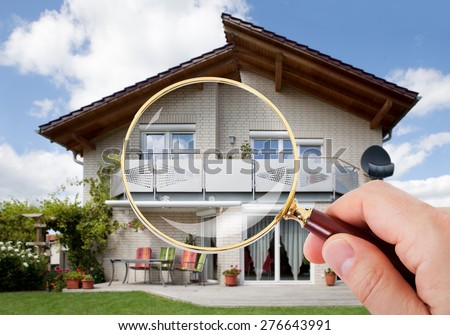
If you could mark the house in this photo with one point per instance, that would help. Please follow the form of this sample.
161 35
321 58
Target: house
58 253
336 111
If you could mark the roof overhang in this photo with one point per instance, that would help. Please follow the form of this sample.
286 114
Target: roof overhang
83 127
286 62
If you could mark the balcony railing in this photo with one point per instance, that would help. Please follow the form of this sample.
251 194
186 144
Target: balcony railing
235 175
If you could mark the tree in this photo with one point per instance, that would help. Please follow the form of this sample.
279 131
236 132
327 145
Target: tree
84 230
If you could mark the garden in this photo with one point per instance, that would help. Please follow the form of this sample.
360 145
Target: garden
26 279
82 230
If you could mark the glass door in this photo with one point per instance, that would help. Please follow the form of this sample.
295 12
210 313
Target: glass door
259 256
277 256
208 231
293 264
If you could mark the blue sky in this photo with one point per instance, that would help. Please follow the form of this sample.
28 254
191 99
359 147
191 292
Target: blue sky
56 56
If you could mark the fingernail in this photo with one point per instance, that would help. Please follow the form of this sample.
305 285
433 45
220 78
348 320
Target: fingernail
339 255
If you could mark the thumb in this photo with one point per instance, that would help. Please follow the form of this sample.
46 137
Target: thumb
371 276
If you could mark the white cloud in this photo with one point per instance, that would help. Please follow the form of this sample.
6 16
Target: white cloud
45 108
433 87
402 130
410 154
94 48
435 191
36 174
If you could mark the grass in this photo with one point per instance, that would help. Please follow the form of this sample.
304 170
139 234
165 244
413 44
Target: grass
138 303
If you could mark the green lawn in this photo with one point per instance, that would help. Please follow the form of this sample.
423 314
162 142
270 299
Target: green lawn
137 303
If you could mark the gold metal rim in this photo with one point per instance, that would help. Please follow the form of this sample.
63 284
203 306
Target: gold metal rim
200 80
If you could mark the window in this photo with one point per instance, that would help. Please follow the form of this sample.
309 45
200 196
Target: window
182 142
177 145
177 141
154 144
273 148
265 148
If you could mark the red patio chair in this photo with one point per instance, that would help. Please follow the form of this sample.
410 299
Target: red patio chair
142 253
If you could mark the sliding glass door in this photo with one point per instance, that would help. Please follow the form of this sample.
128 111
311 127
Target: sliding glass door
277 256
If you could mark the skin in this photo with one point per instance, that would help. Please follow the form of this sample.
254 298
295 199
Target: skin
421 235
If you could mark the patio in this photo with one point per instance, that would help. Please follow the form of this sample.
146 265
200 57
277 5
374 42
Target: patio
245 295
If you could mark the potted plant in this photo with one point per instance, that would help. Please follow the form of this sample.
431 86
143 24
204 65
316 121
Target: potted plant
87 282
330 277
231 275
191 240
73 279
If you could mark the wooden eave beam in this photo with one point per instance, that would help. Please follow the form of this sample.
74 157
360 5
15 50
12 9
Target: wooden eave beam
315 65
335 98
301 79
226 62
83 141
332 81
387 106
338 98
278 71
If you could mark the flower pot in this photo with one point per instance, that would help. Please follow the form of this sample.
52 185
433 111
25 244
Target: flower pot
330 279
73 283
87 284
230 280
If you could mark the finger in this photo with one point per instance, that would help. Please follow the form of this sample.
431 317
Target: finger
313 249
393 215
371 276
379 204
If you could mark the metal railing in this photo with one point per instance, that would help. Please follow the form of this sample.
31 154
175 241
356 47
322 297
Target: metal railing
199 174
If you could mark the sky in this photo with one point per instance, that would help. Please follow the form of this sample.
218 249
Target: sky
57 56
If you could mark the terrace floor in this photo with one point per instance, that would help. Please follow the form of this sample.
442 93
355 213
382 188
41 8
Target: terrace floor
213 294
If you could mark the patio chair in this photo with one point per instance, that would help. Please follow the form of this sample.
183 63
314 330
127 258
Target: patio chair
192 262
200 267
167 253
142 253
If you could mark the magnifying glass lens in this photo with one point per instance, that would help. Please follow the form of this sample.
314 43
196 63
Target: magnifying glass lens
210 164
209 158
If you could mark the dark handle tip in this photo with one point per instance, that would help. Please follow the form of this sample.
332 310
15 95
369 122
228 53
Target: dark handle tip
324 226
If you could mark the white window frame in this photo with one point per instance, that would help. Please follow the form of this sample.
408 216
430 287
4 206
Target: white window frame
167 130
283 135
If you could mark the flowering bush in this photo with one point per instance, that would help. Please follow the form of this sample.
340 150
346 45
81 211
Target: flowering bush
55 281
232 271
20 268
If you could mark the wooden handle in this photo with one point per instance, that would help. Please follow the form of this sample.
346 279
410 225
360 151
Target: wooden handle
324 226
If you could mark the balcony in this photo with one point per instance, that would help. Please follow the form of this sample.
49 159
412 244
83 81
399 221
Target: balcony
219 176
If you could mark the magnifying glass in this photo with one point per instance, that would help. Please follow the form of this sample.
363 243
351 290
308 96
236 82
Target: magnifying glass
214 158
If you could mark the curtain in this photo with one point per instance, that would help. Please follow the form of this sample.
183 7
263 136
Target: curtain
260 248
293 237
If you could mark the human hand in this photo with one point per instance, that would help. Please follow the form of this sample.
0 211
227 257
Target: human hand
421 234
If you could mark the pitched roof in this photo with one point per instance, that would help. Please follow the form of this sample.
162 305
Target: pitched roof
287 62
254 49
